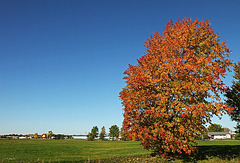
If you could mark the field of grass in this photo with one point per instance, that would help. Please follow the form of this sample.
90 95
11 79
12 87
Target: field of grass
66 150
107 151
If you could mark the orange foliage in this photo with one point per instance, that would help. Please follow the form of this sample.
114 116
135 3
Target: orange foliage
166 100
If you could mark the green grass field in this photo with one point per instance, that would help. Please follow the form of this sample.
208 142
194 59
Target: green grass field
106 151
66 150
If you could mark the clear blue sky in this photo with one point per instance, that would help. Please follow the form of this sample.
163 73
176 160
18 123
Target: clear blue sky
62 62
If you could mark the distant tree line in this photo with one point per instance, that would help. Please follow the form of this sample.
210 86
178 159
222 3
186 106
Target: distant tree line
49 135
114 133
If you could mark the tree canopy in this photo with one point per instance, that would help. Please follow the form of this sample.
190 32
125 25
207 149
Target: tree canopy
93 134
102 134
215 128
233 96
114 132
95 131
166 99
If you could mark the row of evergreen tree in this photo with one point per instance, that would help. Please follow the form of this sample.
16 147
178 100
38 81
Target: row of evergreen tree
114 133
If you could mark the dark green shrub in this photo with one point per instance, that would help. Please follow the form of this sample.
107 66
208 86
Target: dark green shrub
237 136
59 137
90 137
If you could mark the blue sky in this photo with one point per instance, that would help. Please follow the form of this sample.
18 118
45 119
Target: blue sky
62 62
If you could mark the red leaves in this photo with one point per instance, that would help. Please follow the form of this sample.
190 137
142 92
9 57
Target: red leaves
165 100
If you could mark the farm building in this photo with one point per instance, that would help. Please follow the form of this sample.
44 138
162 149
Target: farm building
80 137
219 135
22 137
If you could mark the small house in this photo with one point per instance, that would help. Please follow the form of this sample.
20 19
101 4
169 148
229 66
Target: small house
219 135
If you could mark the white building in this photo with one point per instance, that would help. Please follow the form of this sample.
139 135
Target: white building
80 137
22 137
219 135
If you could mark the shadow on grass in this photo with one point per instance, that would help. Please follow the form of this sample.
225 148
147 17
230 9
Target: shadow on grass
224 152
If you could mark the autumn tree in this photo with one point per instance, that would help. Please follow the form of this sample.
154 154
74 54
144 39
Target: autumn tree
35 135
124 134
233 96
102 134
114 132
215 128
175 88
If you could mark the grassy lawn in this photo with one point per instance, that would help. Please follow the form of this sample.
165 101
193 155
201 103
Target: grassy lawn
66 150
107 151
